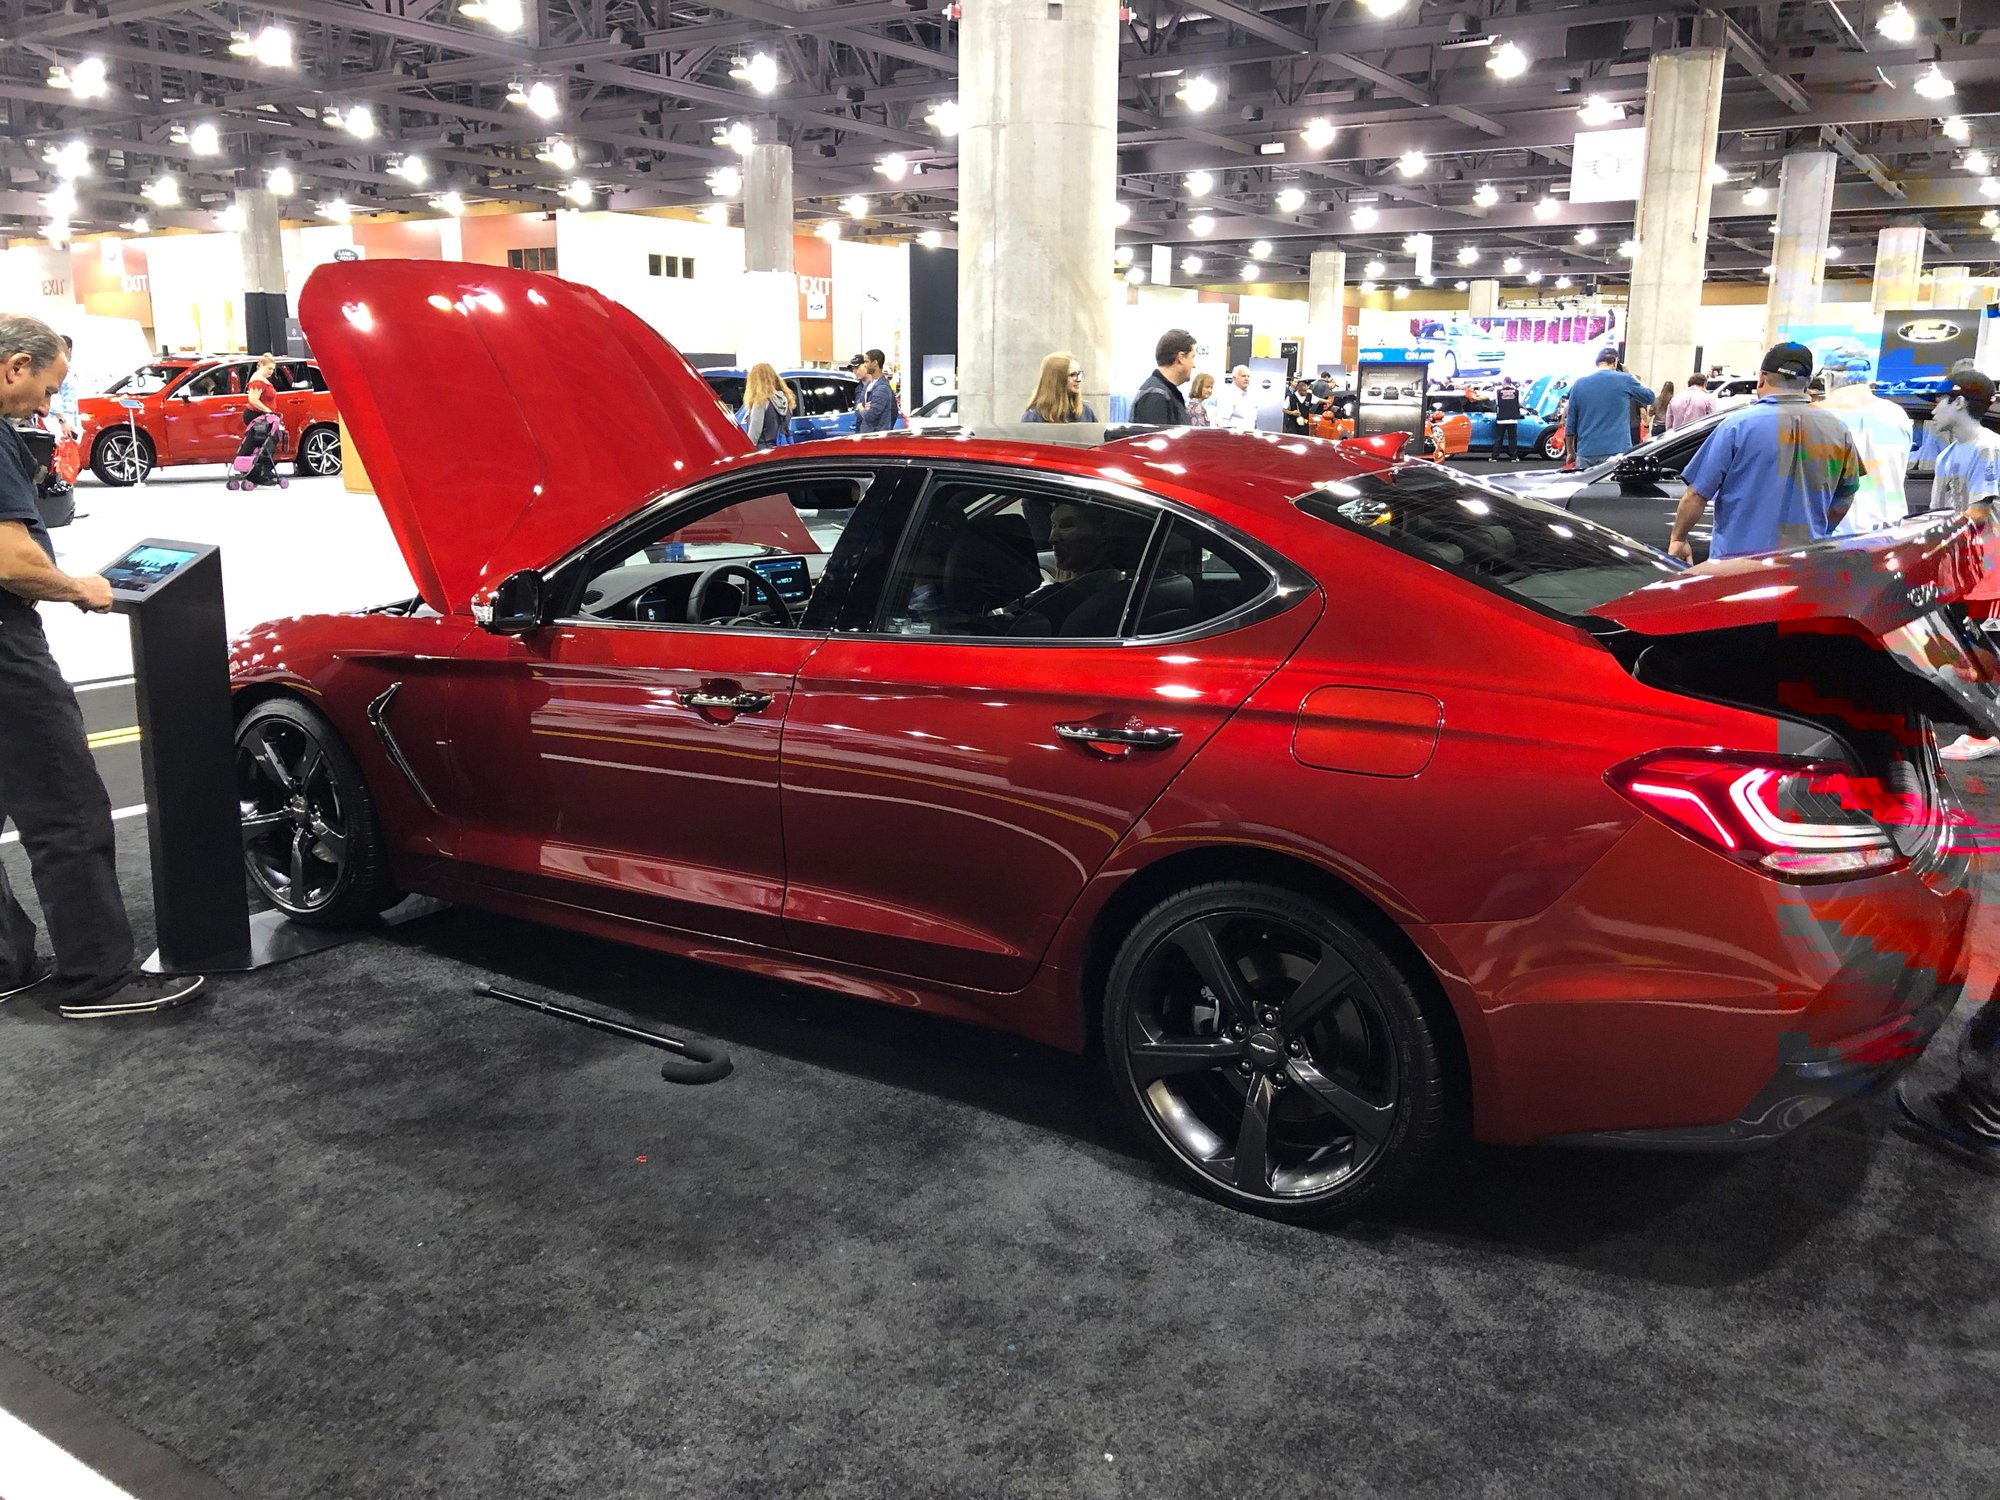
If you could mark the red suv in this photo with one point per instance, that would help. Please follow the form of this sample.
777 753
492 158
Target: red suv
189 410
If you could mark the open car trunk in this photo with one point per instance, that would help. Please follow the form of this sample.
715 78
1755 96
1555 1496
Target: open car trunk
1863 640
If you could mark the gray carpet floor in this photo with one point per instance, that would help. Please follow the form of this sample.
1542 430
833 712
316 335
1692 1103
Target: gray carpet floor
348 1230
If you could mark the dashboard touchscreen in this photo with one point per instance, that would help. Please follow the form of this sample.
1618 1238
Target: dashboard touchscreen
146 567
789 574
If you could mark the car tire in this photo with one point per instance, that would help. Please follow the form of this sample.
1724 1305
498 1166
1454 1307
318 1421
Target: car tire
121 457
1348 1102
311 840
319 452
1548 446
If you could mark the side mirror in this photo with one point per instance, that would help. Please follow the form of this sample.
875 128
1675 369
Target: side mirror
516 606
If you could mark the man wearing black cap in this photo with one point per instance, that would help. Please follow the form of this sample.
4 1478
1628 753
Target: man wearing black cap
1779 471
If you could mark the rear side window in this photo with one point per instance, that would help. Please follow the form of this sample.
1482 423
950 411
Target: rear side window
1198 579
823 398
1532 552
728 389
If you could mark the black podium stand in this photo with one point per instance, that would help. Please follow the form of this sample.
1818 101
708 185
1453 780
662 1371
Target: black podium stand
172 593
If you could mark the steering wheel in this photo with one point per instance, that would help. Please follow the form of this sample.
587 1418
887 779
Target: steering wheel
774 610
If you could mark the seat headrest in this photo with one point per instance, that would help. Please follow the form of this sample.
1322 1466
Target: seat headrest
990 563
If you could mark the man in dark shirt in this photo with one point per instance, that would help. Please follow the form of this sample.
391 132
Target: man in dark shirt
1507 419
1159 402
48 785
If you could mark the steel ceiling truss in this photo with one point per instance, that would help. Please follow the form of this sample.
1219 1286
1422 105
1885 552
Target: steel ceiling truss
646 85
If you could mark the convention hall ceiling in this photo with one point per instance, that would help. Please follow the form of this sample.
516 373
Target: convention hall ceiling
1456 120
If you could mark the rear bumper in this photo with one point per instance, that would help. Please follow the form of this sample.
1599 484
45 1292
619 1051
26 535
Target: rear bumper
1812 1085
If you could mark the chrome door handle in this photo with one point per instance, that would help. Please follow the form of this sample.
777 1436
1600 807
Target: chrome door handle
735 703
1132 736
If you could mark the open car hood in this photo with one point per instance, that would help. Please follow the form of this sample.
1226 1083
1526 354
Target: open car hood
502 416
1888 587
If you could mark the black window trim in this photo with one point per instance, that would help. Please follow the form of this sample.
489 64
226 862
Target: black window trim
1285 582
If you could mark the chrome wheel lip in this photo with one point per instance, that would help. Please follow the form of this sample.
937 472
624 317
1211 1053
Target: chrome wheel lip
125 456
1264 1066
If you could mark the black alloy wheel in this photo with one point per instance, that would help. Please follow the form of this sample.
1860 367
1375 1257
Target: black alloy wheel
319 451
311 841
1270 1053
121 457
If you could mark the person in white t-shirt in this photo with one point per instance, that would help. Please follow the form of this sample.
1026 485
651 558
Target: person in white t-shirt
1880 430
1234 407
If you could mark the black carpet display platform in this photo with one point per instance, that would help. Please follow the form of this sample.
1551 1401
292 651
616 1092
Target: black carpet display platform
348 1229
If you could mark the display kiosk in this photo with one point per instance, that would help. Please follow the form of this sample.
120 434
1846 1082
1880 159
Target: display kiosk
172 593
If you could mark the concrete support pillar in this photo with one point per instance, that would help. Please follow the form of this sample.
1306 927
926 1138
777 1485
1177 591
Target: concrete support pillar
769 322
1037 180
1951 289
1326 308
264 311
1798 246
1482 299
1899 266
1683 107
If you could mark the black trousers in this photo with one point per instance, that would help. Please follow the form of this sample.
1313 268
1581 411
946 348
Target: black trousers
1510 434
50 788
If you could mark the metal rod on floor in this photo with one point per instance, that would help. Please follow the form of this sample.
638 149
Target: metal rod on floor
693 1062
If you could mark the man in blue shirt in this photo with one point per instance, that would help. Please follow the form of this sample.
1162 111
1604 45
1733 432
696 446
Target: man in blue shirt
1780 471
875 410
1600 411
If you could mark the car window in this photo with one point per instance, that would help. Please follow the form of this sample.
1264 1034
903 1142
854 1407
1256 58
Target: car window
649 578
1198 580
1022 564
820 397
1536 553
223 380
728 389
314 379
146 380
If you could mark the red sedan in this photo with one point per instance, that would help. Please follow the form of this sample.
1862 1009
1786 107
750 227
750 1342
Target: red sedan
1345 805
190 411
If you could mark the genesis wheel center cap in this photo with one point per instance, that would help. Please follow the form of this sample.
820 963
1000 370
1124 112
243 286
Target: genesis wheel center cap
1264 1049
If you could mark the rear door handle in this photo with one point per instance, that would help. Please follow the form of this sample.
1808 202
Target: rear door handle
724 699
1120 737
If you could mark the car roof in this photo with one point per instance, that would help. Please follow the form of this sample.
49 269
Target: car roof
737 372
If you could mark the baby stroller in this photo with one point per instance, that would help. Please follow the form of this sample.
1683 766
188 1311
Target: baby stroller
256 461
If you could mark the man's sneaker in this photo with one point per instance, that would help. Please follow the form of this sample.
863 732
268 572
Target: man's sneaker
1938 1120
137 996
1966 747
39 969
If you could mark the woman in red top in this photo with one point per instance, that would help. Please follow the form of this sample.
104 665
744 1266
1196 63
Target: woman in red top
262 393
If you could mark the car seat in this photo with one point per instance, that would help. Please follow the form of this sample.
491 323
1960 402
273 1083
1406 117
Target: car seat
991 562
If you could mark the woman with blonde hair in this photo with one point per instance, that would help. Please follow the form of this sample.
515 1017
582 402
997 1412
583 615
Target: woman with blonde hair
1198 394
1059 392
768 404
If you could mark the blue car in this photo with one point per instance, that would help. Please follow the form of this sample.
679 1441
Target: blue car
1535 434
826 399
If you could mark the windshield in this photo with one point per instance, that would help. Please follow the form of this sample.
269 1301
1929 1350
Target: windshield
1529 551
147 380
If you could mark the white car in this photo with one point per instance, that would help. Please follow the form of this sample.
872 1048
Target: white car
936 414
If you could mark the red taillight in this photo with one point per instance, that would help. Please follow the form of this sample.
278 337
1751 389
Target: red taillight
1795 819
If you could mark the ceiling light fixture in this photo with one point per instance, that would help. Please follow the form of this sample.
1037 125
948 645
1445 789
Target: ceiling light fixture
452 202
578 192
1364 217
1373 269
1487 195
1261 250
1366 287
162 190
1291 200
1199 184
1191 264
1507 61
1412 162
1989 187
1629 249
1755 194
60 203
944 117
1317 135
272 46
336 209
140 225
205 139
1586 236
1546 207
930 239
281 182
1990 219
1770 270
1718 174
1202 225
413 169
1250 270
1121 215
1463 286
232 219
1534 278
501 15
1401 292
725 181
1897 24
1833 252
1121 255
829 229
716 214
894 167
1932 84
1197 93
1468 255
1383 7
1977 163
1598 110
359 122
759 71
737 137
70 160
543 102
1511 265
855 206
1563 283
1136 277
558 153
1956 129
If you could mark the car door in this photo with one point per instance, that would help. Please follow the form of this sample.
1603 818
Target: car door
1639 493
624 758
826 404
203 418
293 402
970 743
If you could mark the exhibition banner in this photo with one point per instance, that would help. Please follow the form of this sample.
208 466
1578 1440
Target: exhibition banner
1922 341
111 280
812 263
1458 346
1607 166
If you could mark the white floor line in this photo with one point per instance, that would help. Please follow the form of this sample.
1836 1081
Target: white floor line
38 1469
101 684
12 836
